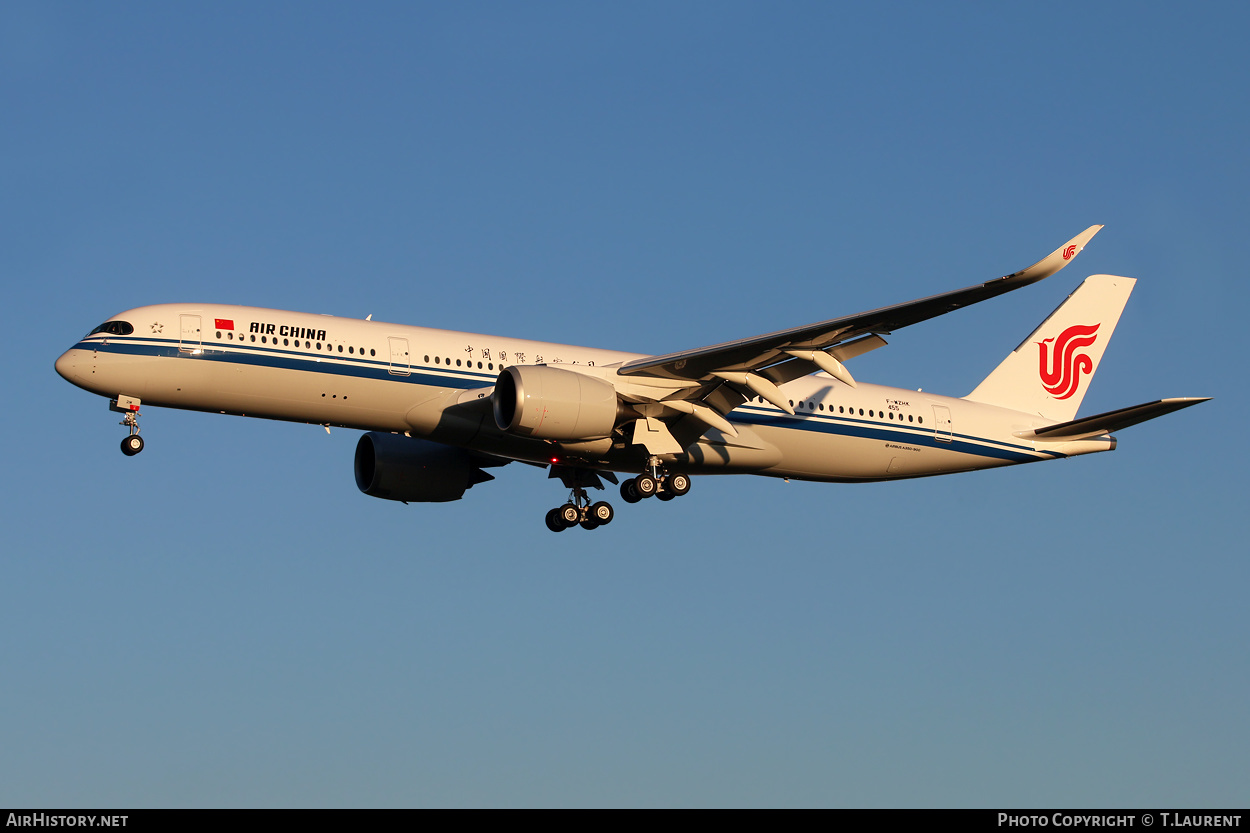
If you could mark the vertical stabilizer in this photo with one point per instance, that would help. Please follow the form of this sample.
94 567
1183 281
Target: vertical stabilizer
1049 373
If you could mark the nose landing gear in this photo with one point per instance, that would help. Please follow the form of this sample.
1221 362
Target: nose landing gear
129 405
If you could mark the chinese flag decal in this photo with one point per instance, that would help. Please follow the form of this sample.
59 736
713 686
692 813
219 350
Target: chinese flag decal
224 324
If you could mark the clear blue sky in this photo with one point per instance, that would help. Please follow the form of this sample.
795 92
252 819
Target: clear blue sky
226 621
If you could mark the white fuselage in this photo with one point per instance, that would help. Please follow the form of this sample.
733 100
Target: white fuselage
378 376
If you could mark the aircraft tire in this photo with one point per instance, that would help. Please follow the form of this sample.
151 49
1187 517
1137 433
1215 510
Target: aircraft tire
132 445
646 485
554 522
665 496
602 513
629 493
677 484
569 514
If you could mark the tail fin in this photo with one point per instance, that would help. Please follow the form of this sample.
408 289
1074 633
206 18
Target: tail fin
1049 373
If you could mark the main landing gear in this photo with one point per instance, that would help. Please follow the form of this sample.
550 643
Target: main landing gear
129 405
579 511
655 482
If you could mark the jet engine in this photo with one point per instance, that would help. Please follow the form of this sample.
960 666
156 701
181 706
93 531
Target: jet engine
396 467
552 404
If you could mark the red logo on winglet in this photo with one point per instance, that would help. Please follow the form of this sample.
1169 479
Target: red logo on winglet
1061 366
1069 252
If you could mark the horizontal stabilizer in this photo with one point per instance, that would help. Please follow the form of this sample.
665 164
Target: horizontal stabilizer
1112 420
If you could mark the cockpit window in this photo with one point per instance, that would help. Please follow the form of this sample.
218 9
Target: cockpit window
117 328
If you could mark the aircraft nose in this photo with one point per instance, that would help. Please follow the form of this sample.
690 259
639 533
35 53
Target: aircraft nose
66 365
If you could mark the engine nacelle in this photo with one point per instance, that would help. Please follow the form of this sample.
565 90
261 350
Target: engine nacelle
396 467
552 404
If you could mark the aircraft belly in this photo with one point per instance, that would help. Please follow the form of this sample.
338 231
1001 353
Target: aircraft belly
832 452
720 453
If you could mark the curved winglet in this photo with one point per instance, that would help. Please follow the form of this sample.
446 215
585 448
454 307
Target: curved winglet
1056 260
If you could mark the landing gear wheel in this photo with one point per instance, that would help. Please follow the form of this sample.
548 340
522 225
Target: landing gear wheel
554 522
677 484
601 513
629 492
569 514
666 495
132 445
646 485
590 523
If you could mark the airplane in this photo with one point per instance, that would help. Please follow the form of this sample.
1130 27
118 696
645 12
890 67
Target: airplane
439 407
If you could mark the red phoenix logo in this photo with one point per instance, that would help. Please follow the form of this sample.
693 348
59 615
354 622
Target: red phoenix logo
1069 252
1061 366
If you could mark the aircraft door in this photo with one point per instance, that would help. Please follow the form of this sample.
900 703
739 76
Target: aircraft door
399 365
942 423
189 338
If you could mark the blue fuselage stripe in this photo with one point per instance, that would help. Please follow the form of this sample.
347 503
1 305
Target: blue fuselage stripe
373 368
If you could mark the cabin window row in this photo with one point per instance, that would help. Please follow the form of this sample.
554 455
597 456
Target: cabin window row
439 360
308 345
812 405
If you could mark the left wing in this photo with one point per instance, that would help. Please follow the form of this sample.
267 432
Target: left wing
753 354
704 385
